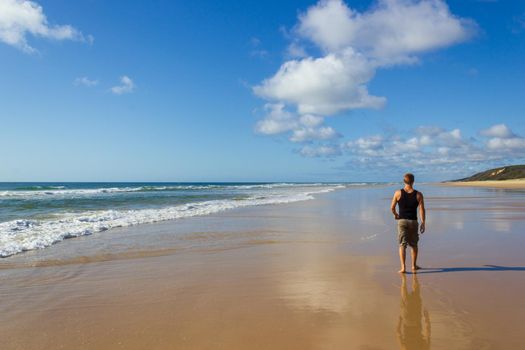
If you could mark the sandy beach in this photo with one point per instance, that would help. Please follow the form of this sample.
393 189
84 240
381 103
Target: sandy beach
317 274
518 184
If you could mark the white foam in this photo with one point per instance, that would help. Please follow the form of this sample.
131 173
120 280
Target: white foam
65 192
21 235
62 191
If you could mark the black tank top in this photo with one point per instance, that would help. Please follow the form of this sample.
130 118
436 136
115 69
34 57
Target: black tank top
408 205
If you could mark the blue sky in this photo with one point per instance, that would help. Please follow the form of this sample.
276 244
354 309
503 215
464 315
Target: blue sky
259 90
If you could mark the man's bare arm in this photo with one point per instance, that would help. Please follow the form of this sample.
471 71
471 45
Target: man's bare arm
422 211
395 199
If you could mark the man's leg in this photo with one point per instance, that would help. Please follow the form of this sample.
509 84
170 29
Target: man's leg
402 257
414 258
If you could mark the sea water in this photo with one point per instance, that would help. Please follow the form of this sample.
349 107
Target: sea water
37 215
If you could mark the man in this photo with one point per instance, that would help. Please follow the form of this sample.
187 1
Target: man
408 200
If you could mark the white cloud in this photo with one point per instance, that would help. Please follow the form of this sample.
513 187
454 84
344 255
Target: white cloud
126 86
296 50
502 138
514 143
421 139
325 85
18 18
303 128
311 120
320 151
308 134
328 24
353 45
433 147
389 30
499 131
85 81
277 120
367 144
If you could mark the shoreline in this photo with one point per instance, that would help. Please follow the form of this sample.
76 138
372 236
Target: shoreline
43 228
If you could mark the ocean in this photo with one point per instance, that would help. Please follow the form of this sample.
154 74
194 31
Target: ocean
38 215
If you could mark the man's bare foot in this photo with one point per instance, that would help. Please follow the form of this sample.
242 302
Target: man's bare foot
415 268
402 271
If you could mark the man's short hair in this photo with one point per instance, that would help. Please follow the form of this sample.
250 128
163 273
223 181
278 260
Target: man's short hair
408 178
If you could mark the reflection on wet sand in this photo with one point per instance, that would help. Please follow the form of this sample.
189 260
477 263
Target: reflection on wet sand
413 328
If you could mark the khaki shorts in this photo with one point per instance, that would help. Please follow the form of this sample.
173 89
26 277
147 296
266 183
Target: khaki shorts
407 232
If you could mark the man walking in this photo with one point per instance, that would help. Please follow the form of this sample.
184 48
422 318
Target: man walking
408 200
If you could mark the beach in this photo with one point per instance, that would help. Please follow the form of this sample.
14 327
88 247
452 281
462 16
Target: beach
510 184
309 274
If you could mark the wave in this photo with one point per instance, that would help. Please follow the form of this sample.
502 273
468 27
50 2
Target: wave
22 235
39 188
44 191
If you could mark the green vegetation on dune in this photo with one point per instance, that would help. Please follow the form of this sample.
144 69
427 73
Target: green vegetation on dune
510 172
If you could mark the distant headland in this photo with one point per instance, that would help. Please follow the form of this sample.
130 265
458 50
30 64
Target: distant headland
511 172
511 176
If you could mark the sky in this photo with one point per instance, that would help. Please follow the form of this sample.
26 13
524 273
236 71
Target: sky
330 90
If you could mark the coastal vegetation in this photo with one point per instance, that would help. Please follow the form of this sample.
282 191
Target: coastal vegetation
511 172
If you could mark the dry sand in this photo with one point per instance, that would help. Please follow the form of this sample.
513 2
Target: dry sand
310 275
512 184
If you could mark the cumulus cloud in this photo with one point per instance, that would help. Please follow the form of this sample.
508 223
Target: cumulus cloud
351 47
354 46
18 18
514 143
434 147
309 133
499 131
277 120
421 141
85 81
296 50
311 120
392 29
126 86
320 151
501 138
302 128
324 85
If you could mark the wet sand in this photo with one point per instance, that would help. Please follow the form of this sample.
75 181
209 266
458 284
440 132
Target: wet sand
319 274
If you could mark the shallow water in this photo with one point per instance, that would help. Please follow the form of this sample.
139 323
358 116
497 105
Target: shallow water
37 215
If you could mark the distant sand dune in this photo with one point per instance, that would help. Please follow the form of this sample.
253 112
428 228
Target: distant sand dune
515 183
